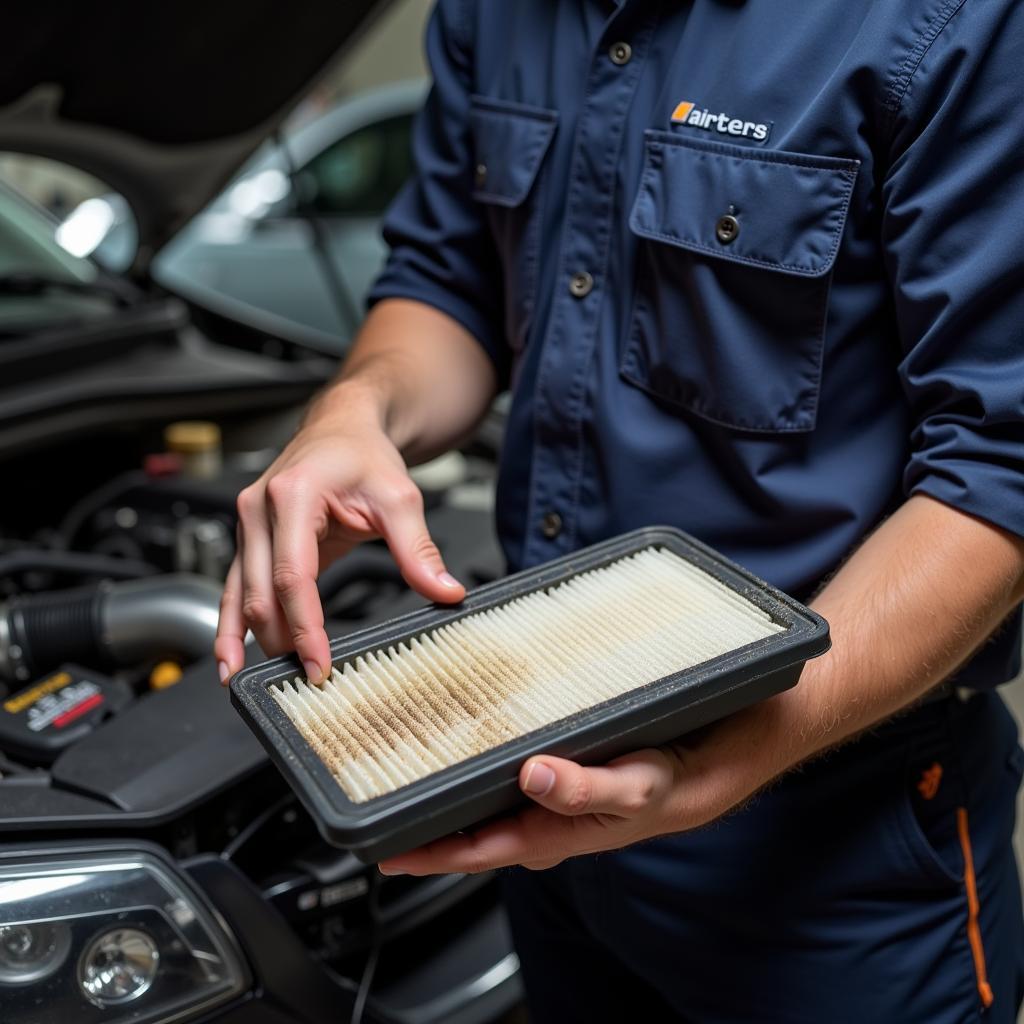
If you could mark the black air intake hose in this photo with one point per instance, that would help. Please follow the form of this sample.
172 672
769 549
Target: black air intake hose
113 624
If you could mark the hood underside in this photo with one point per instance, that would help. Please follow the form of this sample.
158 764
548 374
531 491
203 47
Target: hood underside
163 102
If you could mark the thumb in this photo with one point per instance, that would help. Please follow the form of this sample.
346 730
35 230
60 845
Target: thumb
405 530
623 788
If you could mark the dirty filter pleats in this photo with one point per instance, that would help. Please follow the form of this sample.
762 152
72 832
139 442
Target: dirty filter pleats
388 718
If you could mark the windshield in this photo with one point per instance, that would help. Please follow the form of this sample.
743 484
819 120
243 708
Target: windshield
28 251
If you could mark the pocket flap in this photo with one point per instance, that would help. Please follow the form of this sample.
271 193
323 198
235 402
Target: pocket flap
790 208
509 143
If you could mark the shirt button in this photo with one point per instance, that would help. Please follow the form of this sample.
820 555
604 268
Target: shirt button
551 525
727 228
581 284
480 175
620 53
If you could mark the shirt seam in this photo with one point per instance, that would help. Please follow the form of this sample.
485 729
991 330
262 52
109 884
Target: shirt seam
798 269
466 26
897 91
509 108
658 139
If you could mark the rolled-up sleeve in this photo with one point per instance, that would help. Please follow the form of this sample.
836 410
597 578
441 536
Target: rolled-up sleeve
953 229
442 252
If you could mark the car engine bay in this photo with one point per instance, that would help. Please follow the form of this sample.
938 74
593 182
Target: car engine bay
114 728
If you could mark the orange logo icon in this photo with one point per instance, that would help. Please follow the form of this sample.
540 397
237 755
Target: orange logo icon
682 111
930 779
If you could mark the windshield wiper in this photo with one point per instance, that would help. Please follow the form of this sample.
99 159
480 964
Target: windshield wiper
26 283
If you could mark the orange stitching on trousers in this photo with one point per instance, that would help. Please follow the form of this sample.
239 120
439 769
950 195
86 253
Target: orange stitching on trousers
973 910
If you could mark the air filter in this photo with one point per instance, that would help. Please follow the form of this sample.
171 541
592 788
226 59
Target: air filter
425 721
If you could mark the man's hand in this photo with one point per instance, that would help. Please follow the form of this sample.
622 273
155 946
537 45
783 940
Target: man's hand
906 610
337 484
415 384
642 795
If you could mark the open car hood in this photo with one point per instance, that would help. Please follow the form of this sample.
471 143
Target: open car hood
163 102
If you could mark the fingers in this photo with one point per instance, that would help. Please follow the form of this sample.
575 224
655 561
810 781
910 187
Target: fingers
229 646
284 521
626 788
297 519
535 837
581 810
577 811
260 609
405 530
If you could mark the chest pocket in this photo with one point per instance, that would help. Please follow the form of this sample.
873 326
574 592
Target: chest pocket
510 141
736 249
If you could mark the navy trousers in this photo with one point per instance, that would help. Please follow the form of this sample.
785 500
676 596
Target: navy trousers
875 885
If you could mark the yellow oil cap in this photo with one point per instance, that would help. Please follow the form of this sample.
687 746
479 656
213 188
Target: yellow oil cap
164 674
190 437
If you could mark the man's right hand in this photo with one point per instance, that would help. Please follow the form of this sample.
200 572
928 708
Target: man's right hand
339 482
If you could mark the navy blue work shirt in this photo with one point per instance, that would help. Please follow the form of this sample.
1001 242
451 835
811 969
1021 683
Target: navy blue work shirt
752 268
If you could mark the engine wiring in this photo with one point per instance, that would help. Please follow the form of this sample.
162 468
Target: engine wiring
373 957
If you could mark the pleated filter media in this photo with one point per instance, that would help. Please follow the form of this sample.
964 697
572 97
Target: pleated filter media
388 718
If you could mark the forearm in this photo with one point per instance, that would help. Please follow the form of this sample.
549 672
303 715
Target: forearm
911 605
418 372
908 607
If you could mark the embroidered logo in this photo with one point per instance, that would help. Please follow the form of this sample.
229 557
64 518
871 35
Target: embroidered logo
692 116
930 779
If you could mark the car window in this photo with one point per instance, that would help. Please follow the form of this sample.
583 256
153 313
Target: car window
27 244
41 285
360 174
88 218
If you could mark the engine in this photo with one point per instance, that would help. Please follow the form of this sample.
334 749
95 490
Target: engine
112 721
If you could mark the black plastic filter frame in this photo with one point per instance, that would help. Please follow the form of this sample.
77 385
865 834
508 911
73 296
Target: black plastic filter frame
485 785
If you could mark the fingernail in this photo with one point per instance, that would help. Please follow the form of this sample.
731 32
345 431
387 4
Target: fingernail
223 670
539 779
314 673
448 579
390 871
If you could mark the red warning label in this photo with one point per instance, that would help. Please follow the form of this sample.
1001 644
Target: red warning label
64 706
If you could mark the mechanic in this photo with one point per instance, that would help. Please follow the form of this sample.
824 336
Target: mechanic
752 269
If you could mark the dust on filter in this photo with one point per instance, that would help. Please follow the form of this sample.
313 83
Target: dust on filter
389 718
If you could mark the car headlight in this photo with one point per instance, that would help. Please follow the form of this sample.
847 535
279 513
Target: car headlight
106 939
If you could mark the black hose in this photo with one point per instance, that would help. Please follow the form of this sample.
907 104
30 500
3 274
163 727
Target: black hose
43 631
76 562
81 510
111 624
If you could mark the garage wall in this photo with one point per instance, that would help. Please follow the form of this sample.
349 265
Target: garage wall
392 50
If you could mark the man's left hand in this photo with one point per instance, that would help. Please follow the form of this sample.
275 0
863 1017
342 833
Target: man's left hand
581 810
908 607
